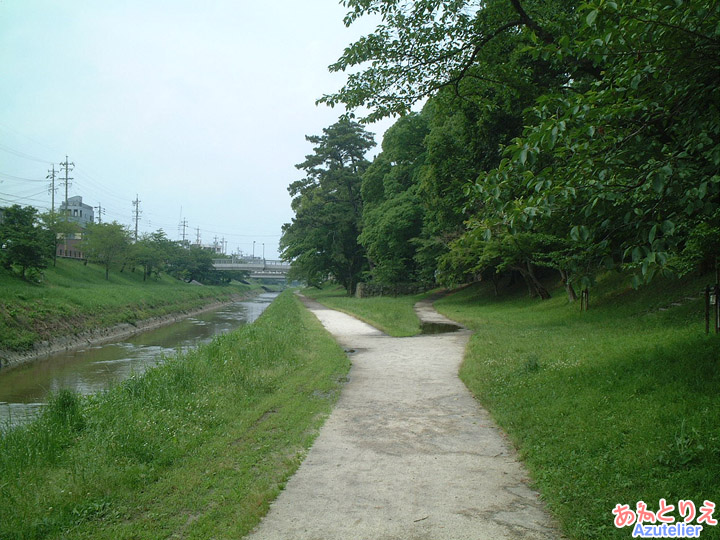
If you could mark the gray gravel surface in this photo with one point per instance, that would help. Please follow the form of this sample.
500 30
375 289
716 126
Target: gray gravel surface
407 453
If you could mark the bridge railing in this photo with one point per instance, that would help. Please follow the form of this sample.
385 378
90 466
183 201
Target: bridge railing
256 264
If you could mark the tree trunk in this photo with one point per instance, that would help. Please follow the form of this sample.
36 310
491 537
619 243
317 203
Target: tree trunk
496 283
535 288
572 297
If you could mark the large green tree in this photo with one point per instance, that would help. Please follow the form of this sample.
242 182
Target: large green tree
23 242
618 160
322 238
106 244
392 210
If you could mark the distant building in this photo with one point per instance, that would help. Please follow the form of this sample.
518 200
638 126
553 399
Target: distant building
80 213
77 211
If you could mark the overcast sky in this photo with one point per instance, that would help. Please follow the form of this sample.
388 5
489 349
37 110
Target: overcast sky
199 108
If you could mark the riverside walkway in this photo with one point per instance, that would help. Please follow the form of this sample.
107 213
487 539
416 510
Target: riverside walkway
407 453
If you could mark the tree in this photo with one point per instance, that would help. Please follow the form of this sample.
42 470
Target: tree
59 229
195 264
392 210
23 242
321 240
424 46
106 244
633 156
152 252
618 158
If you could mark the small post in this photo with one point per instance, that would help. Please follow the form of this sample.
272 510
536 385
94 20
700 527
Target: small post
585 299
717 308
707 309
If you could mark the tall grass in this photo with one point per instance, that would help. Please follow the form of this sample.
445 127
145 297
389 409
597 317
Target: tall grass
195 448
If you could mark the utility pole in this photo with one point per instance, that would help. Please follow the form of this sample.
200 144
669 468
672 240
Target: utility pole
224 245
136 212
67 167
52 190
197 231
184 225
100 211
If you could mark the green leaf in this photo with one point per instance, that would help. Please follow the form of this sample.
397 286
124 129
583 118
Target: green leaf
702 190
658 183
653 232
591 17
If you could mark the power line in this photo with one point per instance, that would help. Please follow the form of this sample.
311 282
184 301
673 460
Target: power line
13 177
23 155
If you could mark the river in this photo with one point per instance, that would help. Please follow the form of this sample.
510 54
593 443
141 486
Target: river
23 390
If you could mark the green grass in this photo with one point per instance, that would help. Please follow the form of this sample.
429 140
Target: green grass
392 315
615 405
195 448
73 297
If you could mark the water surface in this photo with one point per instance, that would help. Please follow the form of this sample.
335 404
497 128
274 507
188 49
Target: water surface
23 390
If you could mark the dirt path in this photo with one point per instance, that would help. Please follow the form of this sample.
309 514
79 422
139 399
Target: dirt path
407 453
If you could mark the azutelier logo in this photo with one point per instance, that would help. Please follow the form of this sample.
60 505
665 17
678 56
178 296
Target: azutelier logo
662 524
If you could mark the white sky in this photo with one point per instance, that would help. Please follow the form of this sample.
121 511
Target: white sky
199 106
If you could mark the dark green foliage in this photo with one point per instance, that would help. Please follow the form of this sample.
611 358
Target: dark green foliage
194 264
593 128
152 252
321 240
393 212
23 242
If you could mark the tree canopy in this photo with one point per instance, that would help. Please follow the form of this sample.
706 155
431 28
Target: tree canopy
322 238
575 136
23 241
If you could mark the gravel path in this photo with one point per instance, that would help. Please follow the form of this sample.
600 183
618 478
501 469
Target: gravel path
407 453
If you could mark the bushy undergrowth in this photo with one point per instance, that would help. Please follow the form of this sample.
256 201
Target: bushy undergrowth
196 447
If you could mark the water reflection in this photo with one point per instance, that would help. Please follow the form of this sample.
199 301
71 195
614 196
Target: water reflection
24 389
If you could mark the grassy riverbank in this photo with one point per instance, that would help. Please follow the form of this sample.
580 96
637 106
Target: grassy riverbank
73 298
615 405
195 448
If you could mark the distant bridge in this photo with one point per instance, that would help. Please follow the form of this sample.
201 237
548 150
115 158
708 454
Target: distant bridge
258 268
